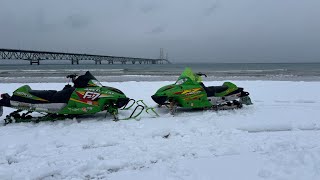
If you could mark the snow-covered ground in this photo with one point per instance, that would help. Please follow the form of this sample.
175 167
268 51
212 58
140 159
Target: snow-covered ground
276 138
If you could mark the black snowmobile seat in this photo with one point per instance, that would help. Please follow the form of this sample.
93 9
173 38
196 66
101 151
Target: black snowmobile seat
44 94
211 90
54 96
62 96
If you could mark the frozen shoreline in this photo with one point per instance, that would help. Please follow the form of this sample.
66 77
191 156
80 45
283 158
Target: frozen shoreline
236 144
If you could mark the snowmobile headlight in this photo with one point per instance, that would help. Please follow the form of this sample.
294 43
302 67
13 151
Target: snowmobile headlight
181 81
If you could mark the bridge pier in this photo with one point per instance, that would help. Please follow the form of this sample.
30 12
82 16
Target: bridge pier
34 61
98 61
110 61
124 62
74 61
133 62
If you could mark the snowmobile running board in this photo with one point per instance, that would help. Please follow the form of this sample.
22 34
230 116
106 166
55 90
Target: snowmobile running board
15 117
226 106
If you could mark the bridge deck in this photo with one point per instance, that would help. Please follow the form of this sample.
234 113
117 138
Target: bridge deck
34 57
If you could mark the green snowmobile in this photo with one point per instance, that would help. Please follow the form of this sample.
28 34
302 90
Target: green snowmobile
87 96
190 92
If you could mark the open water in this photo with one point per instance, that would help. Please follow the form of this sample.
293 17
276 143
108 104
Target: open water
136 72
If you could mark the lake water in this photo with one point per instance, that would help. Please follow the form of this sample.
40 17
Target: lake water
137 72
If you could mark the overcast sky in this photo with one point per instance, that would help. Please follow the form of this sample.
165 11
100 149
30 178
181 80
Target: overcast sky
189 30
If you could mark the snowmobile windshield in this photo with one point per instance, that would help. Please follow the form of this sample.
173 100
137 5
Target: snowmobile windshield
86 80
186 75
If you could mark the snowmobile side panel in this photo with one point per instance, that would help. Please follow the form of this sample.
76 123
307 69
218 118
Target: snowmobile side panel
48 107
91 100
192 97
22 94
187 95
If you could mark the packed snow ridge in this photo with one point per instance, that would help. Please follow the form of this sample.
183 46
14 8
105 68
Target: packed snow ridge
276 138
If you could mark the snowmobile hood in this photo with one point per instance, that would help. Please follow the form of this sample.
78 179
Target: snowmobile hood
164 88
188 73
114 89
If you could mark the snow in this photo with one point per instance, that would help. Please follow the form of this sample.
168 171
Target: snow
276 138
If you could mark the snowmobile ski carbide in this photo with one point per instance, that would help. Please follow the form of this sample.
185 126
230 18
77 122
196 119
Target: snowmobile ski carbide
86 96
189 92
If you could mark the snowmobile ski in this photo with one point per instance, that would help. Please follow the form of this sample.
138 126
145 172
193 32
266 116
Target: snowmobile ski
138 110
148 108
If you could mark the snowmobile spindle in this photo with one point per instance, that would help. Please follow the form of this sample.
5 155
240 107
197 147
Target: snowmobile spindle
173 107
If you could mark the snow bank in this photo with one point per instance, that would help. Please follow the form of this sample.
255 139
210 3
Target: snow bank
276 138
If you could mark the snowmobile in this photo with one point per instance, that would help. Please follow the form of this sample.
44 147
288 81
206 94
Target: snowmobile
86 96
189 92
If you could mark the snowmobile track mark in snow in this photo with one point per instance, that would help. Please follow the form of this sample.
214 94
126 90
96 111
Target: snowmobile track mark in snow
266 130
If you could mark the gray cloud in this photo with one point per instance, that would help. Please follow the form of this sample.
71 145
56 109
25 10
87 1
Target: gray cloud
42 24
157 30
211 9
206 30
147 8
77 21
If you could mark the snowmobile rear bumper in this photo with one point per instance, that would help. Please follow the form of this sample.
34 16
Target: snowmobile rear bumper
244 93
159 99
122 102
5 100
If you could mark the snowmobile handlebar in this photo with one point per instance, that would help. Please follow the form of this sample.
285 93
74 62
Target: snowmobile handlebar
201 74
72 76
